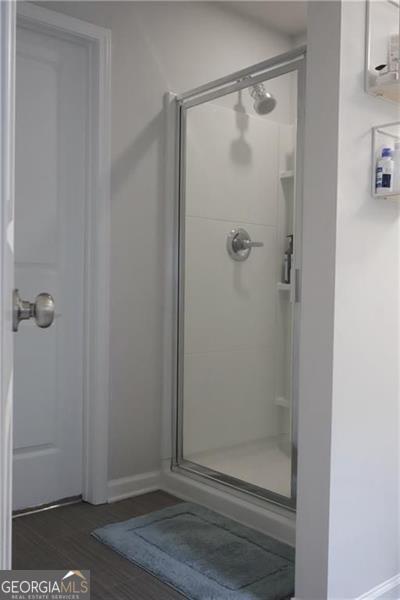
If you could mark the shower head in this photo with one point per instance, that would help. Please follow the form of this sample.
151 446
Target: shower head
264 102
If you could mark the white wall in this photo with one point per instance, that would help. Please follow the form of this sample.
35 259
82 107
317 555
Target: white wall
348 503
156 46
364 499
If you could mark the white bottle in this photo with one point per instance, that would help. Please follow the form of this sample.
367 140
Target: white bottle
384 172
396 167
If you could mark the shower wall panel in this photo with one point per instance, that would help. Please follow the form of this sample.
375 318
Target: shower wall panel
234 339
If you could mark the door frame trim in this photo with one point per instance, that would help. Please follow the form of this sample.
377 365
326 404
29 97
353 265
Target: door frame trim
7 104
97 239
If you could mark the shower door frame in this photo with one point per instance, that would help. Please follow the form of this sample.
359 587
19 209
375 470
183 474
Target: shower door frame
292 61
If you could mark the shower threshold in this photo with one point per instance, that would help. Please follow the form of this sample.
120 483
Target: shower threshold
261 468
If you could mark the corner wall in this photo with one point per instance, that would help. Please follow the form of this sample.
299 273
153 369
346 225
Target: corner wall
348 501
317 301
364 499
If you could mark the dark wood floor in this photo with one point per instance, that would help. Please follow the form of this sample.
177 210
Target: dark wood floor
60 539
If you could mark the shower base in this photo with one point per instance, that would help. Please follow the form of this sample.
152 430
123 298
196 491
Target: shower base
265 463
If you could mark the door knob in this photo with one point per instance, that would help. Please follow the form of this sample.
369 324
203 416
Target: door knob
42 310
239 244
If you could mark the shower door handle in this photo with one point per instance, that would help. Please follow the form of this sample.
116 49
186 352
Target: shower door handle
297 286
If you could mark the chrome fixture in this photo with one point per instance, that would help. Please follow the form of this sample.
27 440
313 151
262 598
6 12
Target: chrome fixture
264 102
239 244
42 310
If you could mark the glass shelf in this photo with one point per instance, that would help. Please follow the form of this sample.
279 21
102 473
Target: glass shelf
382 24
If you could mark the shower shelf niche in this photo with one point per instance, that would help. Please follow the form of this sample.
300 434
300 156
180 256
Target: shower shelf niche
287 175
382 22
383 135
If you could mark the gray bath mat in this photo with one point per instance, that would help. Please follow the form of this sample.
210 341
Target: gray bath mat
203 555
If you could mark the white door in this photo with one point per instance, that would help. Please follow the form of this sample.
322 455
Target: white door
50 162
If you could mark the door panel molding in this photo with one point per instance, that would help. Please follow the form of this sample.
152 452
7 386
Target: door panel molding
97 236
7 90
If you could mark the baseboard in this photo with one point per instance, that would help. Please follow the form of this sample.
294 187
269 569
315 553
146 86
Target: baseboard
127 487
378 591
382 588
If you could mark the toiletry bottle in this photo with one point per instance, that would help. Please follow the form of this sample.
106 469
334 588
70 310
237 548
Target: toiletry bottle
396 167
384 172
287 260
285 268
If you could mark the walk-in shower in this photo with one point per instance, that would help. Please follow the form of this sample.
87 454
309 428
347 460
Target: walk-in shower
239 260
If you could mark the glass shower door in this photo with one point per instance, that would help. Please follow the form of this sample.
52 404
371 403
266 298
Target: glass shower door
239 260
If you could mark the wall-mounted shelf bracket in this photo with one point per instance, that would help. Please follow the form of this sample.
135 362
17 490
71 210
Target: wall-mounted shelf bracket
382 67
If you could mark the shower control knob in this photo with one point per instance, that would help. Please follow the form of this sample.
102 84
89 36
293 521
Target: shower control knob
239 244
